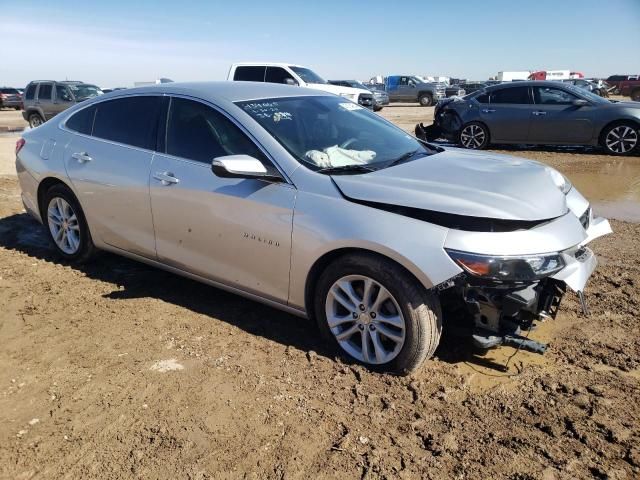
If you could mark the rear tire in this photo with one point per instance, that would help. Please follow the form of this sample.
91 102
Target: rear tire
66 224
635 95
35 120
396 305
426 100
474 136
621 138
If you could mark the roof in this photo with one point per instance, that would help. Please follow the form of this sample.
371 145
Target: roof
227 90
266 64
525 83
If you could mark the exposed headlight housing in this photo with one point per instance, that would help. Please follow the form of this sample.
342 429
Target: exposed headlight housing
560 180
525 268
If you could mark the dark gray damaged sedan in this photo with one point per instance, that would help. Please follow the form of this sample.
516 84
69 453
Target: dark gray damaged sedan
536 112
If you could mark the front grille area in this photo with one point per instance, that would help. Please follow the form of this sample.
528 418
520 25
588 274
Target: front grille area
366 100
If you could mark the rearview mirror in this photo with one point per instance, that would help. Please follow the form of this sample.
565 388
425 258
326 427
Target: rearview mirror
579 102
240 166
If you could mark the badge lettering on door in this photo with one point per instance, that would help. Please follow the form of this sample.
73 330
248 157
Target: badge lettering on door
257 238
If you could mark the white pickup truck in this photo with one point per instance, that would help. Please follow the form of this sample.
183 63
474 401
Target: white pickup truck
295 75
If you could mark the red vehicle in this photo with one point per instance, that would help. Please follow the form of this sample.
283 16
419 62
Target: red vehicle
10 98
630 88
555 75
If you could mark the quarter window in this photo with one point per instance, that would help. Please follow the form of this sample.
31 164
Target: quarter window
512 95
31 92
44 93
82 121
132 121
552 96
198 132
249 74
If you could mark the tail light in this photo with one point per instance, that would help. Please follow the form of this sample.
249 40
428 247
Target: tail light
19 144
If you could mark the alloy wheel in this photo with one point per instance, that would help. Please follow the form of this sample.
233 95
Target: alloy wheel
64 226
621 139
36 121
365 319
472 136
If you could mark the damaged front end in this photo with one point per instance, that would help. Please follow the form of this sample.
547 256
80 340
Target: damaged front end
505 297
446 123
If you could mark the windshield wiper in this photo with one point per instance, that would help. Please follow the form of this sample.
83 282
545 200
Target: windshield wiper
354 168
406 157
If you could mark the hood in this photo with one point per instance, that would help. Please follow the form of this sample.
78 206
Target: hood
465 183
337 89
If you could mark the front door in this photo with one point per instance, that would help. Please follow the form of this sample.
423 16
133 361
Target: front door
555 119
109 167
508 114
230 230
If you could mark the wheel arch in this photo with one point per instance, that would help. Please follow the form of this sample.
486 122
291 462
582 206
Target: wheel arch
45 185
327 258
631 120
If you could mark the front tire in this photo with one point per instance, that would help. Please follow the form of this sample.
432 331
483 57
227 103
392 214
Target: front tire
474 136
66 224
621 139
426 100
371 309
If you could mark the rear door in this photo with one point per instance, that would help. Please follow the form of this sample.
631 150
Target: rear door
44 99
508 114
231 230
108 162
556 120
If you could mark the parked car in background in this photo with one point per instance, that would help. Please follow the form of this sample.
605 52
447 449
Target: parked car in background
614 82
630 88
537 112
290 74
314 205
471 87
380 97
587 85
44 99
454 90
410 88
109 90
10 98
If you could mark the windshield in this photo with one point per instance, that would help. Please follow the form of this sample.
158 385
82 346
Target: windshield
309 76
356 84
329 132
586 93
82 91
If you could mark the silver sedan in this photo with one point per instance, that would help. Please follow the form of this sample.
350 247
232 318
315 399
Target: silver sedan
314 205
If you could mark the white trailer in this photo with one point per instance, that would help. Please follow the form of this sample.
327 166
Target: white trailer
510 76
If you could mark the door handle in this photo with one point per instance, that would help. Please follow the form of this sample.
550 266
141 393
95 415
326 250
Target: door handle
539 112
488 110
166 178
82 157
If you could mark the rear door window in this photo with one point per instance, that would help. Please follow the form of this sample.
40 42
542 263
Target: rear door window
132 121
44 92
82 121
249 73
513 96
198 132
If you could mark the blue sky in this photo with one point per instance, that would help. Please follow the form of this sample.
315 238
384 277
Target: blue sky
118 42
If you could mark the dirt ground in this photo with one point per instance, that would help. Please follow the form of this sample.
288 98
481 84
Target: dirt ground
116 370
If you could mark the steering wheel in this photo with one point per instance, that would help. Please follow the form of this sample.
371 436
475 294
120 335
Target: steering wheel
348 142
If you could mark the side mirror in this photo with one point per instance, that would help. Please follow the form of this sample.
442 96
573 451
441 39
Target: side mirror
290 81
240 166
579 102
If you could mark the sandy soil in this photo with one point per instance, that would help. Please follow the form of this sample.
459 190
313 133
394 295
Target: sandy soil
117 370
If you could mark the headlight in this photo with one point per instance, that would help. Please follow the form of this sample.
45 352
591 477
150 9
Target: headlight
560 180
350 96
524 268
